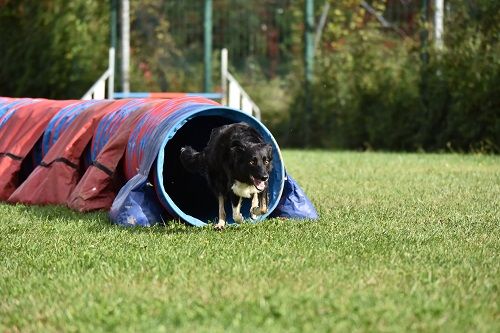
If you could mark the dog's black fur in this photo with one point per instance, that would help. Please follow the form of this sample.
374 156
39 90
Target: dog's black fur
236 163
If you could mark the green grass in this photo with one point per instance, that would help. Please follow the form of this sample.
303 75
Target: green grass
406 242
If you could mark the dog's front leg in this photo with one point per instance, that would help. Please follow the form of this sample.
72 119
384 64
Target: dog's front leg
259 204
263 201
254 210
222 214
236 204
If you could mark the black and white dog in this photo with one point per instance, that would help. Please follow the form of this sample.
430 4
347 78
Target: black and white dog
236 164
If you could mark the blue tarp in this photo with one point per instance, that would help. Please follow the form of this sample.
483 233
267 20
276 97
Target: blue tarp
294 203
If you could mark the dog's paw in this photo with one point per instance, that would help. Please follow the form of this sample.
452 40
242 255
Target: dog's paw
238 218
257 211
254 213
220 225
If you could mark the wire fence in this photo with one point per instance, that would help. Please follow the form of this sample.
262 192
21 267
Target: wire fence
254 31
264 33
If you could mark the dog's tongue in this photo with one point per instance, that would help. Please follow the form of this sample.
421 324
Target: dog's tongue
259 184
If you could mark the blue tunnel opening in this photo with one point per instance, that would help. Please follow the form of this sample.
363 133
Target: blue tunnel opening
189 191
188 195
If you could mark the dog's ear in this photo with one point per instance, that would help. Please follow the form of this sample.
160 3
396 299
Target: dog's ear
237 146
269 150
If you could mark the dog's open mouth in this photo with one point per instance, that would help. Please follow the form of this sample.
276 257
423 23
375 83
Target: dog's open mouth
259 184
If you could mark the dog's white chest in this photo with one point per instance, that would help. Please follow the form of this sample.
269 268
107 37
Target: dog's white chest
243 190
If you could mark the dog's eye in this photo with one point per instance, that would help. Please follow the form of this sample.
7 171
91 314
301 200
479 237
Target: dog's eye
253 162
266 162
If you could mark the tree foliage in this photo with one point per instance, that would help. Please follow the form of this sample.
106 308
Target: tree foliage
373 90
52 49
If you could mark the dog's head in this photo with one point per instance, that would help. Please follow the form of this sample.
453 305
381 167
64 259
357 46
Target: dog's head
252 163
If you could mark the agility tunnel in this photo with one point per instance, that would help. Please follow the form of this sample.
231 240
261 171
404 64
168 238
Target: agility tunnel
123 155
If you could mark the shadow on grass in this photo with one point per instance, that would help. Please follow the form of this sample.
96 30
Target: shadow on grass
97 221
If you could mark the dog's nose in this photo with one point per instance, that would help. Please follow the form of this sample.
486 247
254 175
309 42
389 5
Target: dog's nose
264 178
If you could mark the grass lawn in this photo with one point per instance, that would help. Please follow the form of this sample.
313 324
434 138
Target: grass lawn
405 242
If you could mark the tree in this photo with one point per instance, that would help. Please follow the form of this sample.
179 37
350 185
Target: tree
52 49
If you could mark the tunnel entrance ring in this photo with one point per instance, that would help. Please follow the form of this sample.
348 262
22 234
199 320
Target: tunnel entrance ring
188 195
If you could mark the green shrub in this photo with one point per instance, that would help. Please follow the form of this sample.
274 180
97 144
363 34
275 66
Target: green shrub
364 96
464 87
373 91
52 49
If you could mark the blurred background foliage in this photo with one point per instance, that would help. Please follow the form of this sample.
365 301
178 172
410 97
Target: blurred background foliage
376 86
52 49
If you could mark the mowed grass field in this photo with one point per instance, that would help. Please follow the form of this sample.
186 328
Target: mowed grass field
405 242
